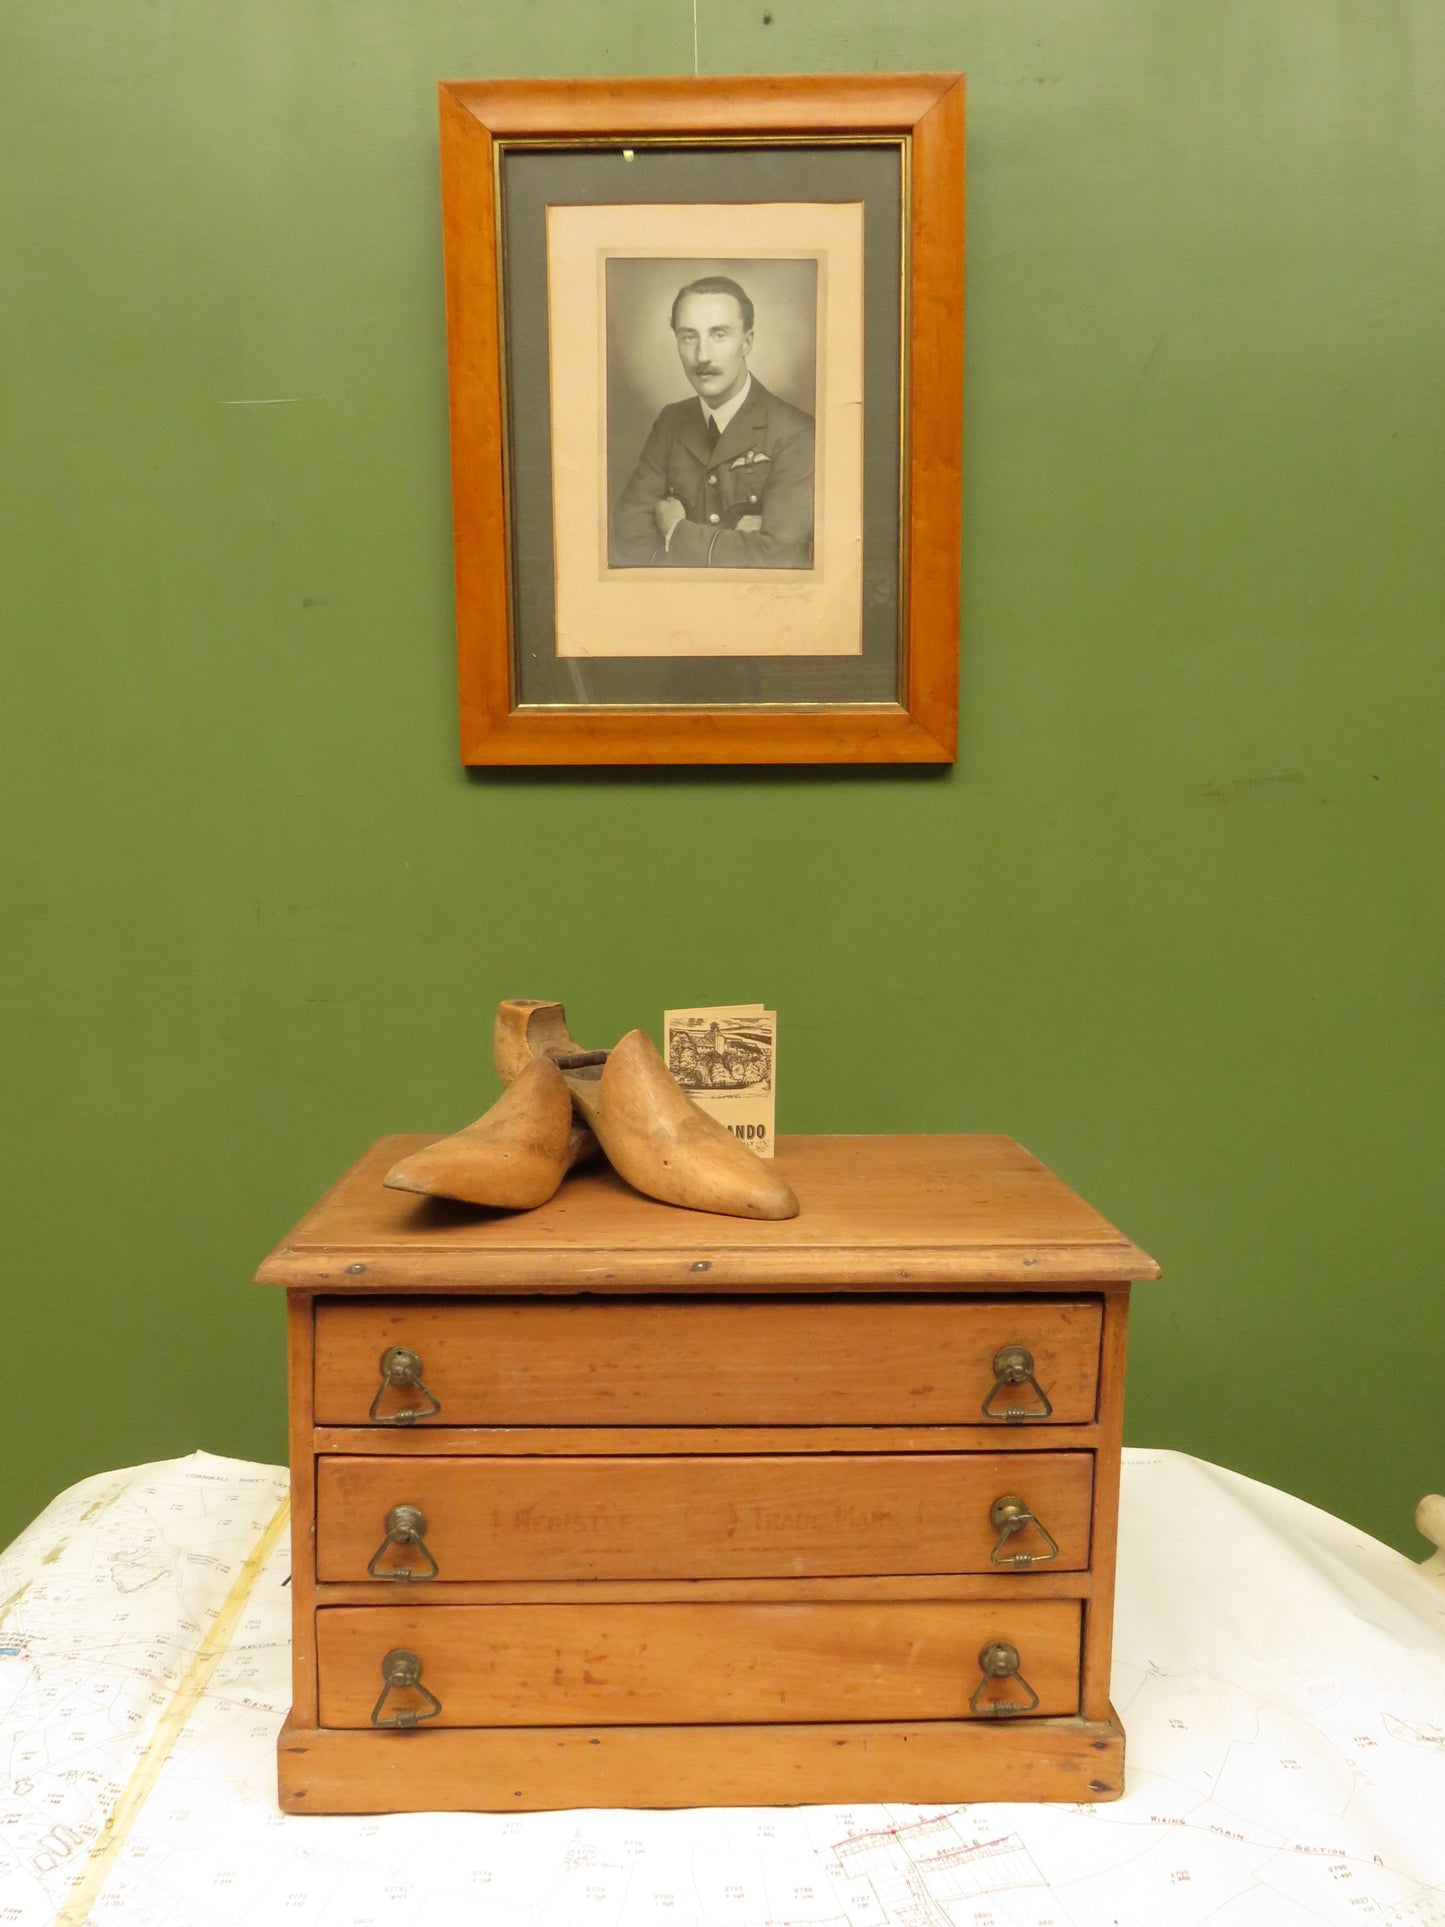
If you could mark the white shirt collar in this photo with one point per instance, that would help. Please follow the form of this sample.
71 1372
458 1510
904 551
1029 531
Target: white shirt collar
722 416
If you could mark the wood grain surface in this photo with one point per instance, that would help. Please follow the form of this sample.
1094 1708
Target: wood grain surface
715 103
521 1769
701 1518
301 1377
1042 1583
925 113
776 1361
1099 1618
877 1214
572 1665
709 1498
528 1441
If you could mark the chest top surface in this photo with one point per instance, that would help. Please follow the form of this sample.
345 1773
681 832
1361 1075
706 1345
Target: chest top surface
877 1213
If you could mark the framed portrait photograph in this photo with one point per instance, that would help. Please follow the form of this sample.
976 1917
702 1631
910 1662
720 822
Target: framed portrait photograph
705 371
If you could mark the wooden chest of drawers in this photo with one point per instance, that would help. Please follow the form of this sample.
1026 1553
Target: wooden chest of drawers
611 1504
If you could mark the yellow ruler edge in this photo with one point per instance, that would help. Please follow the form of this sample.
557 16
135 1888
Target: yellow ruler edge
122 1817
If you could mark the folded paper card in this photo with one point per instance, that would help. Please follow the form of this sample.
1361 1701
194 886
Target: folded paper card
725 1056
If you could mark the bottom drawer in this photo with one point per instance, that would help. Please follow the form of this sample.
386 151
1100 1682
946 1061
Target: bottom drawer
574 1665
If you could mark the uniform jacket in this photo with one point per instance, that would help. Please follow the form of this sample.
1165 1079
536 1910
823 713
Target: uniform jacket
762 465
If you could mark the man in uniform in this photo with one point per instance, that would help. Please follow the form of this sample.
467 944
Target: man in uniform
724 481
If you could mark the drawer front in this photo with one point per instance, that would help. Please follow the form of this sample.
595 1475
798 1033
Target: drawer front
701 1518
709 1362
637 1664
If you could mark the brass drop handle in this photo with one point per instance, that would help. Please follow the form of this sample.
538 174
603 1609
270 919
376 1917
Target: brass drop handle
1014 1365
1000 1660
402 1369
405 1526
1008 1515
401 1673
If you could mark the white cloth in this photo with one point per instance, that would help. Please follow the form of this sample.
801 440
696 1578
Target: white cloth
1281 1679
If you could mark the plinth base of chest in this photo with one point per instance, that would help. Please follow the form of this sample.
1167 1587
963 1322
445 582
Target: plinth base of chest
523 1769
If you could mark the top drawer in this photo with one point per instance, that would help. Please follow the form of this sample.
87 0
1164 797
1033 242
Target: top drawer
709 1362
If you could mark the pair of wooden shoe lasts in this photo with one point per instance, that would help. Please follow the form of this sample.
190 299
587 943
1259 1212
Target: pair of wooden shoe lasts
561 1103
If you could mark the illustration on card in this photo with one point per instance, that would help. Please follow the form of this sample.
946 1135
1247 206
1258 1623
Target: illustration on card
721 1054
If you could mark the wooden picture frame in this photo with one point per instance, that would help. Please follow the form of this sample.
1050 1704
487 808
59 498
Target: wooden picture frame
571 210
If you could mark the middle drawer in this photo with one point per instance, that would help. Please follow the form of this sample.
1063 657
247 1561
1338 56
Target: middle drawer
701 1518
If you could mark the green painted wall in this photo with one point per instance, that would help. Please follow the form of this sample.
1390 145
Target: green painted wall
1174 920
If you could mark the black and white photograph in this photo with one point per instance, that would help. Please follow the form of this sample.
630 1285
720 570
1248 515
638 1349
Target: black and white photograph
711 398
706 429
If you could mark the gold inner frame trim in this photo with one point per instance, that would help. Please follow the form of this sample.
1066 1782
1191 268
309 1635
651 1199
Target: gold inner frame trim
502 145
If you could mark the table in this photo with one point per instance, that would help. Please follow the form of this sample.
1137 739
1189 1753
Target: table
1282 1676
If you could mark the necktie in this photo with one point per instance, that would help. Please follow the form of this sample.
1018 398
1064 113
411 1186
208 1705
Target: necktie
712 431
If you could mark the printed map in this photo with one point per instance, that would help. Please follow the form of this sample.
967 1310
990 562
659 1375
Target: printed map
1281 1678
